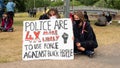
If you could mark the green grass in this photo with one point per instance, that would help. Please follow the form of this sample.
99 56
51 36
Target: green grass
19 21
20 17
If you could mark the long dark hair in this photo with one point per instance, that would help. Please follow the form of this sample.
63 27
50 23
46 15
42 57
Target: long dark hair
56 12
80 15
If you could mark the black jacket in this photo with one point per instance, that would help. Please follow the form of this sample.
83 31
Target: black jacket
44 16
86 18
87 38
109 18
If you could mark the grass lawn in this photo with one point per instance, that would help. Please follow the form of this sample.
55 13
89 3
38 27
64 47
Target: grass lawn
11 42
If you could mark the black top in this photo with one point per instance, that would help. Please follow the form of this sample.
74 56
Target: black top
44 16
109 18
87 38
86 17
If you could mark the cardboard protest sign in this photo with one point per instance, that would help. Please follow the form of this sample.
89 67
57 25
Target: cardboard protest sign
48 39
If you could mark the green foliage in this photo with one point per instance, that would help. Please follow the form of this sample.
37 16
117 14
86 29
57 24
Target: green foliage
88 2
42 3
108 4
100 3
113 4
20 5
57 3
117 4
75 3
23 5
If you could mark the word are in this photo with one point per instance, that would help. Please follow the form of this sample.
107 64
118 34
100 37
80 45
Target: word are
45 25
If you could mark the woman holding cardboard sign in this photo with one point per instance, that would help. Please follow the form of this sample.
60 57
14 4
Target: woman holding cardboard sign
53 14
50 14
85 39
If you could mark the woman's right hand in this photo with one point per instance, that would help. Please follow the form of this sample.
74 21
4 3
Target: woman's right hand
78 44
79 47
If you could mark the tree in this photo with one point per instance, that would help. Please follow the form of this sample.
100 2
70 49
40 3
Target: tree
23 5
88 2
20 5
100 3
57 3
38 3
113 3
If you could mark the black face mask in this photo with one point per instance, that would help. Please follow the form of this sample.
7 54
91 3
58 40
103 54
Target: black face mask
77 21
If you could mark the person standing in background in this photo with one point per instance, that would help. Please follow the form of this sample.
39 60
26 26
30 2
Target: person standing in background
109 18
10 9
86 17
34 12
2 6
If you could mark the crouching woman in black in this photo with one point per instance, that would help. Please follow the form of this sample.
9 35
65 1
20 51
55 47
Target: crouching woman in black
84 37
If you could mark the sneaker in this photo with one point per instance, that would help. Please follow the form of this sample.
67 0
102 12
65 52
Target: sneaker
4 30
90 53
10 30
0 29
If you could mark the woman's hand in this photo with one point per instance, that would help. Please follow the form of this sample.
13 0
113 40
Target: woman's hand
79 47
78 44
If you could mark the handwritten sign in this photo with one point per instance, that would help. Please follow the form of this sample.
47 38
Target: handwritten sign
48 39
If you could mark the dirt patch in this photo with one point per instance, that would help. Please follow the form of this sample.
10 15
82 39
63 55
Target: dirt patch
11 45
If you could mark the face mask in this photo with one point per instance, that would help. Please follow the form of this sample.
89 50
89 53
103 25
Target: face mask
77 22
53 17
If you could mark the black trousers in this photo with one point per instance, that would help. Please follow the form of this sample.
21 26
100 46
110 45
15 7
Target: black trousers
10 14
97 24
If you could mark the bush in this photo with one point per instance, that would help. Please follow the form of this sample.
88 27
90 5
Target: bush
76 3
57 3
100 3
